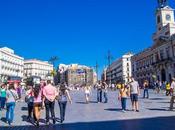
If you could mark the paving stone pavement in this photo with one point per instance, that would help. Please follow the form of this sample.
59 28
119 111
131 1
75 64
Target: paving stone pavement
153 115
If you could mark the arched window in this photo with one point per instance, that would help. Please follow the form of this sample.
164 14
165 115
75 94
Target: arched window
158 19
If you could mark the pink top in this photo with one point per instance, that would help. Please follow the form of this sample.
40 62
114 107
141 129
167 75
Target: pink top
39 98
50 92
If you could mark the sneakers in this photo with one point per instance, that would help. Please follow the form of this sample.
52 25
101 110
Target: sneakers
47 123
137 111
123 111
37 123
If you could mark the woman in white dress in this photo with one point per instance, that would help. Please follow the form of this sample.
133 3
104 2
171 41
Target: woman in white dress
87 90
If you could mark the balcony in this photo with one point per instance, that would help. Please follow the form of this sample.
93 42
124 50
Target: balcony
164 60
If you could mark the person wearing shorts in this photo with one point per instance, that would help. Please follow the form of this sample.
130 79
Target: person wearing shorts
134 92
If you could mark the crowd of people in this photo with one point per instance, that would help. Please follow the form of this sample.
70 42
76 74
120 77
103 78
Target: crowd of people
44 95
38 96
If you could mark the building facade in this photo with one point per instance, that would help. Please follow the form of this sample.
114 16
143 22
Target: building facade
120 70
76 74
158 61
11 65
34 67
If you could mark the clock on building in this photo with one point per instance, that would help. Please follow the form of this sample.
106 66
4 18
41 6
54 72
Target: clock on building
168 17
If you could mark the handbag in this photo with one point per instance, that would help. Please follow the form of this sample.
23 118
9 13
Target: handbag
14 96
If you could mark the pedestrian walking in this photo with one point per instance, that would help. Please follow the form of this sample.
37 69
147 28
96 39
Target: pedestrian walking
29 99
134 92
146 89
18 90
99 92
11 97
50 93
123 95
168 89
173 95
63 97
3 96
105 92
158 86
37 103
87 91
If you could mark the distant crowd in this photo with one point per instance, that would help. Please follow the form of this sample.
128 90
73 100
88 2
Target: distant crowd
44 95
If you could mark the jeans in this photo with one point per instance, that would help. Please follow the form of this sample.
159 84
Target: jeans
172 102
30 109
50 108
123 102
2 101
62 106
146 92
106 97
99 95
10 112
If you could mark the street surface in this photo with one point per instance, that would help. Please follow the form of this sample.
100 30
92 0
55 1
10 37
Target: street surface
153 115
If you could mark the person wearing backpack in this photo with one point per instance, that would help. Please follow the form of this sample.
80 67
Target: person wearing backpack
37 93
11 97
29 99
63 97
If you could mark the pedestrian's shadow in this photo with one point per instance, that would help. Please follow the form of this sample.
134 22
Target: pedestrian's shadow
3 119
113 109
157 109
24 108
157 99
163 102
24 118
86 103
81 102
93 102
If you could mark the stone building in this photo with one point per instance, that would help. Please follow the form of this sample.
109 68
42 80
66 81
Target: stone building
119 71
158 61
11 65
34 67
76 74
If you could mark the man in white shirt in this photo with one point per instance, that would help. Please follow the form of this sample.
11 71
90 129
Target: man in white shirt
134 92
173 96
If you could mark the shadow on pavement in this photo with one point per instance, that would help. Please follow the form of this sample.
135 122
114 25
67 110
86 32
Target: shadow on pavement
157 98
158 123
3 119
24 108
85 102
113 109
164 102
158 109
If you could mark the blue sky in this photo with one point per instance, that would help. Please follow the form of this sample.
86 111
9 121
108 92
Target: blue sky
77 31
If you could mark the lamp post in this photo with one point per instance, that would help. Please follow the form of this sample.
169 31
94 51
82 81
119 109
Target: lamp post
109 57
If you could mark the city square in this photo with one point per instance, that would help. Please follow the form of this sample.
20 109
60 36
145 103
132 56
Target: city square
154 114
87 65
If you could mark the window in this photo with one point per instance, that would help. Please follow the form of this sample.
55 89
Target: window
158 19
168 52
